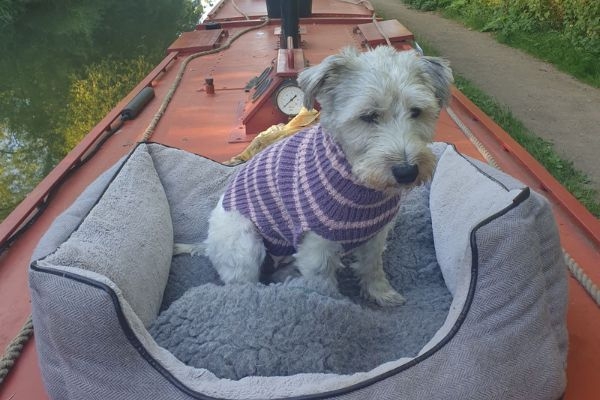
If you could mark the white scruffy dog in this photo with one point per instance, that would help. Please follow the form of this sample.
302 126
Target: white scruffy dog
335 188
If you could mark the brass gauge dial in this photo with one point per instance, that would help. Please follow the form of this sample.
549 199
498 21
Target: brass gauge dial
289 98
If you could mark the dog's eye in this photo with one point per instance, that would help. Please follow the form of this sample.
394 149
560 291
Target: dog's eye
370 118
415 112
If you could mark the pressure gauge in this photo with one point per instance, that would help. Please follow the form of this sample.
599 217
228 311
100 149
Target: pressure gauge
290 98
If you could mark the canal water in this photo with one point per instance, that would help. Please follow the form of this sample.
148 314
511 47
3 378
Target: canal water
63 66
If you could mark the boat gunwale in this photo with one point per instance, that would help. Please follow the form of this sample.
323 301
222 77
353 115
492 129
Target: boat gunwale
547 184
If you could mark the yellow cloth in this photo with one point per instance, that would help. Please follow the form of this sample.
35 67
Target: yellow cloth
274 134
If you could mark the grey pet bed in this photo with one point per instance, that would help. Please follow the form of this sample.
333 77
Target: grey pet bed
476 254
300 326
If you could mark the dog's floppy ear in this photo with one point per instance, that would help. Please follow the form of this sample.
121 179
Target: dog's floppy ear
438 71
322 77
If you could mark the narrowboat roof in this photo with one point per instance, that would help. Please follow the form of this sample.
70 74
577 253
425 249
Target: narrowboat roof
220 125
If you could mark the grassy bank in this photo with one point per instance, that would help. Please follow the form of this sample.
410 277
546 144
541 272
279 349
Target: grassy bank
575 181
565 33
572 179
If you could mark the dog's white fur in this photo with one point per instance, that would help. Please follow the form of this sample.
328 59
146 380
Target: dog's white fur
380 107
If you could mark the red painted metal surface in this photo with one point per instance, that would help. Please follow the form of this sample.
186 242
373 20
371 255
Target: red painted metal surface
227 11
290 67
205 123
192 42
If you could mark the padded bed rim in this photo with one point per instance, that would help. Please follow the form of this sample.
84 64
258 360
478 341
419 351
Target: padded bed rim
137 344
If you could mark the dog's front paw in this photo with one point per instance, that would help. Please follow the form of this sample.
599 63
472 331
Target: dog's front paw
390 298
382 293
191 249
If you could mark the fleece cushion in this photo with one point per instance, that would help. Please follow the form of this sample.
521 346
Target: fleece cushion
302 326
496 251
127 236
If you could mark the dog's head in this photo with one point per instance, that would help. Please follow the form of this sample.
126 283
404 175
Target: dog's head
381 107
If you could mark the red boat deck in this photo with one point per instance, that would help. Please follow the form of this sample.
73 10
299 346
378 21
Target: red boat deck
207 124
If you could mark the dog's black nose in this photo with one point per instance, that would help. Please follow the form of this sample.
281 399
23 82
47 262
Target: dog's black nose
405 173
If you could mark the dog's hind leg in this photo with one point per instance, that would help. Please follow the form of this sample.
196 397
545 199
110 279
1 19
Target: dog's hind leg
318 258
369 268
234 246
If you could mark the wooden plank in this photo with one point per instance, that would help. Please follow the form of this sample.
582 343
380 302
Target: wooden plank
195 41
394 30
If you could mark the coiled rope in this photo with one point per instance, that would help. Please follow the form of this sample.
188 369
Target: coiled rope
585 281
14 349
575 269
169 96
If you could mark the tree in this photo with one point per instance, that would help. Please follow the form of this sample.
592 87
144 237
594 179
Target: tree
95 93
66 63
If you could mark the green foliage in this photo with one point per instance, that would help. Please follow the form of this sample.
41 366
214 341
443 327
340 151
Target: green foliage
577 22
429 5
94 94
581 24
543 151
18 174
9 10
64 64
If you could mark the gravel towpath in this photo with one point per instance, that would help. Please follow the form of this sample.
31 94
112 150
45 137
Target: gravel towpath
550 103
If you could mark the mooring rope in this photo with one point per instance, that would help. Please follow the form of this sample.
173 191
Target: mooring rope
14 349
575 269
582 278
369 6
471 136
169 96
380 30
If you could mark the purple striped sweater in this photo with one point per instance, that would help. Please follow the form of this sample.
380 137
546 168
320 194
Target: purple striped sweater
304 183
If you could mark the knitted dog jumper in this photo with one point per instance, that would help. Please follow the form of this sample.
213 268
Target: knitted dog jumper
304 183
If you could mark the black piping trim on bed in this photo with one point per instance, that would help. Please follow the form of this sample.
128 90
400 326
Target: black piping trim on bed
135 342
470 161
186 151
